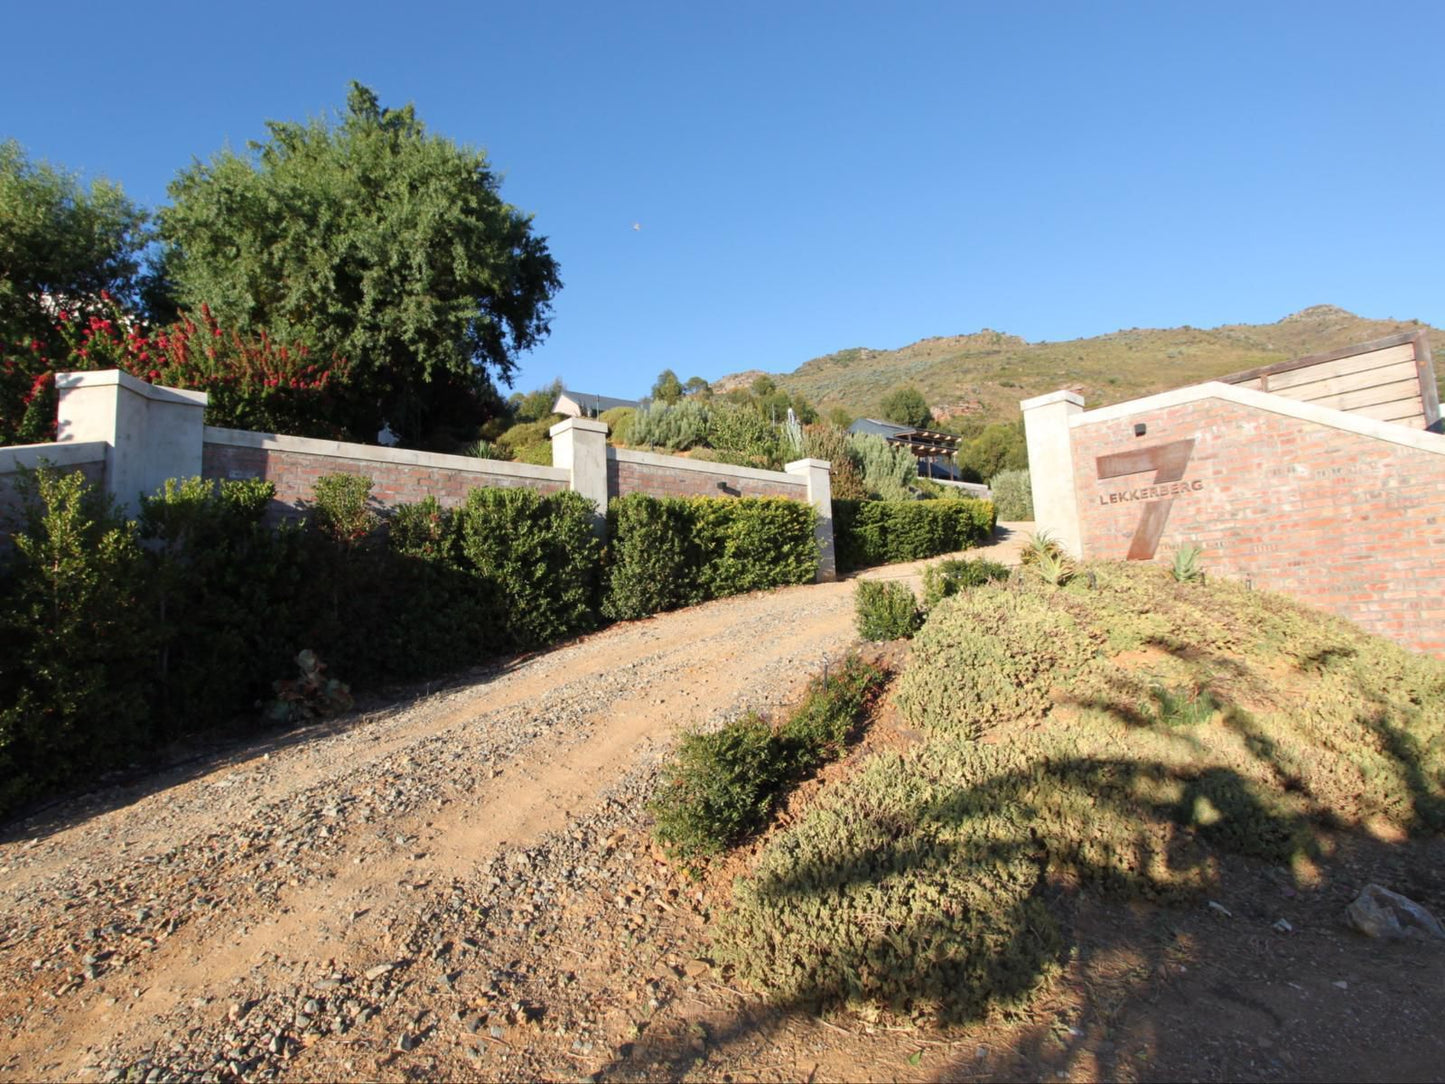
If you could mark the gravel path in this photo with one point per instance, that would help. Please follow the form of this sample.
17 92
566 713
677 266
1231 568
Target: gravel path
459 886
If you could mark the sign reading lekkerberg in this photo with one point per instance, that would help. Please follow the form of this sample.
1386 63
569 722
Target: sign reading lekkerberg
1149 493
1168 462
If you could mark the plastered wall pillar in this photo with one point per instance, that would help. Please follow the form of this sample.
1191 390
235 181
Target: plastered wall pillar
579 446
1051 466
151 433
818 473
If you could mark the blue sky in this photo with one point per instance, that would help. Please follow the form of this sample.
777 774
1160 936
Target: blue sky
809 177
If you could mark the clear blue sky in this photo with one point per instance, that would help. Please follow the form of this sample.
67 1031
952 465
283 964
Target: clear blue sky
810 177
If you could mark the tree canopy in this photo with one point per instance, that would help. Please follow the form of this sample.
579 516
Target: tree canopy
907 406
374 241
61 243
668 388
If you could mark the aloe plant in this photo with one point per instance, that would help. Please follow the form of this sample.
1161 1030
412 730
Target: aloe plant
1187 568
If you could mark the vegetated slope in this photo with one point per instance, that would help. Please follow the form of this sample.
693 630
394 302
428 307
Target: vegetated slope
1123 738
988 372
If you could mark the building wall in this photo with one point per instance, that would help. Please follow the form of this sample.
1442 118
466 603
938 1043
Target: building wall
1337 511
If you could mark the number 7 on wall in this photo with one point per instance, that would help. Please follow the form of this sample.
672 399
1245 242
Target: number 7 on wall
1168 462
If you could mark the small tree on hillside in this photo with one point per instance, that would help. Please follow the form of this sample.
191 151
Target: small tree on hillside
668 388
907 406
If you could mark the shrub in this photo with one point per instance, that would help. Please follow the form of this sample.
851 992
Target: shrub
884 610
619 420
486 449
667 552
743 436
541 557
216 580
888 470
718 788
75 639
958 574
830 443
987 657
1013 495
868 533
677 427
342 504
817 730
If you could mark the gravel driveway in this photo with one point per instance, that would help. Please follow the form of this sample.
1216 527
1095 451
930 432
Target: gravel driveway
460 884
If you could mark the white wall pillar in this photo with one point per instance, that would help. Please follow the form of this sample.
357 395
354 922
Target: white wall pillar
818 473
151 433
1051 466
579 446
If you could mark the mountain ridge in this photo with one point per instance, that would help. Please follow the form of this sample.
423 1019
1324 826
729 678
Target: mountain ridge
986 373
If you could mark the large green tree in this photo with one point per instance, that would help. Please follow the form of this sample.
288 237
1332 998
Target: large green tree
375 241
62 243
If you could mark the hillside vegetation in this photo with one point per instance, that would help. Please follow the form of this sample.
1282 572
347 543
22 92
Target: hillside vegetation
986 374
1123 735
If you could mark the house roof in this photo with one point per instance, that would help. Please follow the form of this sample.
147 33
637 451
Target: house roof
598 403
920 441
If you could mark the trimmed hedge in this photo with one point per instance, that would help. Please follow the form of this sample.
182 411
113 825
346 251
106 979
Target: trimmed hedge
668 552
117 636
867 533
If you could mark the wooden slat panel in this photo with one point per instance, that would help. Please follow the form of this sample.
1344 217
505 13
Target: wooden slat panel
1257 384
1355 363
1407 411
1401 390
1369 378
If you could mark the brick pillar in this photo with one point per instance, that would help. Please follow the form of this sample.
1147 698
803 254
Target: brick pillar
152 433
1051 466
579 446
818 473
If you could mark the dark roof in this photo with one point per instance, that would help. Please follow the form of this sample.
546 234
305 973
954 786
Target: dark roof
599 403
920 441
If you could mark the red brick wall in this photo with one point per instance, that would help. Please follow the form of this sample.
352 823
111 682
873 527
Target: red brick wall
1336 519
294 475
625 477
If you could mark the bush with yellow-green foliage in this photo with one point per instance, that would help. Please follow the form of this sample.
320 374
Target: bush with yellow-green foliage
1138 731
619 423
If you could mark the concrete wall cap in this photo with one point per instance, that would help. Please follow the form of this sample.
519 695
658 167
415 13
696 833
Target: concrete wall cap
587 425
112 377
1276 404
375 453
719 470
1061 396
807 464
63 454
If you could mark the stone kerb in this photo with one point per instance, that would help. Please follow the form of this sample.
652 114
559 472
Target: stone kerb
151 433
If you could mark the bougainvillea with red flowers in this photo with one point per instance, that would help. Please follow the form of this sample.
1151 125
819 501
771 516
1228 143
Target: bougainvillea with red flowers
251 381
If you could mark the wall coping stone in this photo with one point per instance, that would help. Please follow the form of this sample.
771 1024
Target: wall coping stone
17 457
104 378
677 462
1419 439
1062 396
587 425
406 457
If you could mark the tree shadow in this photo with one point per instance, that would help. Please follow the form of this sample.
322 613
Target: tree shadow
989 881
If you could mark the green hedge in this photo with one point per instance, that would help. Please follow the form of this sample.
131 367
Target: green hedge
867 533
668 552
119 636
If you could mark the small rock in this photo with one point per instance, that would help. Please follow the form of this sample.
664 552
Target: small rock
406 1042
697 968
1378 912
1341 983
1219 908
374 973
1282 925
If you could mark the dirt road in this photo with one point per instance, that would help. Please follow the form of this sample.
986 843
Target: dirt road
457 885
